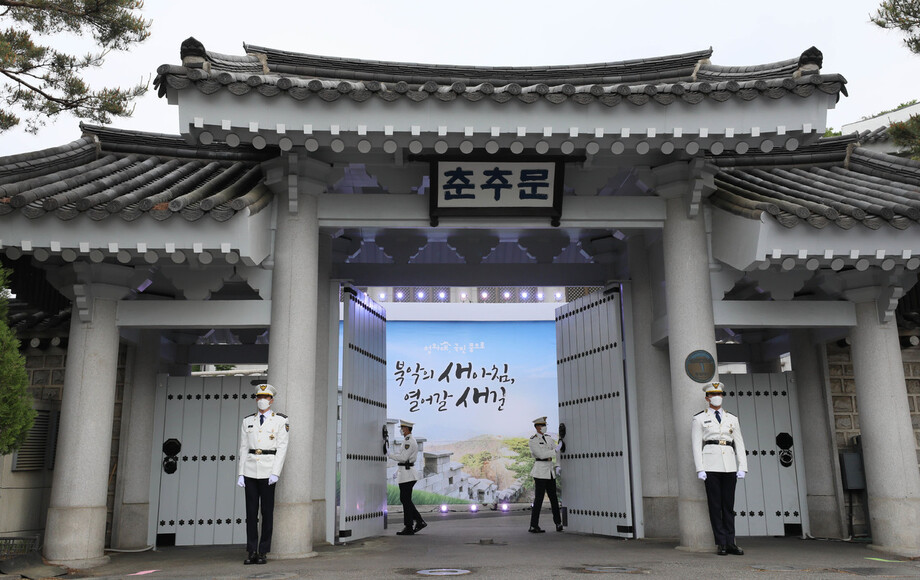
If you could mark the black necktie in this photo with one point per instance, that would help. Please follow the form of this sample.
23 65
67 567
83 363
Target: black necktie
718 417
262 418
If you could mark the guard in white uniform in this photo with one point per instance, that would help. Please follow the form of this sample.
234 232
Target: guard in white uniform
543 448
263 445
720 460
405 455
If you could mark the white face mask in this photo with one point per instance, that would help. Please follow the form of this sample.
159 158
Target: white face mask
263 404
715 401
541 429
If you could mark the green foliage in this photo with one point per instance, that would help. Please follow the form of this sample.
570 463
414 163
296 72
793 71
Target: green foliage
16 412
475 463
907 134
831 133
422 497
522 463
903 15
40 81
224 367
898 108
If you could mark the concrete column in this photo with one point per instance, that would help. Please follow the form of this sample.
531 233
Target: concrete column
291 367
657 442
690 328
818 452
889 457
132 493
75 528
326 337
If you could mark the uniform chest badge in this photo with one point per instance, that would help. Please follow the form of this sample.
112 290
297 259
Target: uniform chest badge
407 445
272 436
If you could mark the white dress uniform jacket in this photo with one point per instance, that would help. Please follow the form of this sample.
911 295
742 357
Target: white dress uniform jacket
542 447
405 452
717 457
272 435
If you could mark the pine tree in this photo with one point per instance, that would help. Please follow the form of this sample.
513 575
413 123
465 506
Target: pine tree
38 81
16 412
903 15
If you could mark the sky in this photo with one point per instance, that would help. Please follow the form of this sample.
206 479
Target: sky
881 72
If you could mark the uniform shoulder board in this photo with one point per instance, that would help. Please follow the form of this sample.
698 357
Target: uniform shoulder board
532 436
281 415
248 416
700 413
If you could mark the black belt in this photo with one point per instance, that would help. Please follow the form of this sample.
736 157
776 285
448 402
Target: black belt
263 451
406 464
547 459
719 442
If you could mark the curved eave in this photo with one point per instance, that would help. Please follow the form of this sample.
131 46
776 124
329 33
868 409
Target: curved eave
663 92
131 175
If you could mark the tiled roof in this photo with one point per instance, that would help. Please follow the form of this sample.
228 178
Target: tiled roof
131 174
688 78
831 183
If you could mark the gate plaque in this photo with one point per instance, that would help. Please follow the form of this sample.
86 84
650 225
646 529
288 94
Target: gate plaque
700 366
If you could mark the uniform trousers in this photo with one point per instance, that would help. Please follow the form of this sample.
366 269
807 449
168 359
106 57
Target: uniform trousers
720 494
410 513
259 492
547 487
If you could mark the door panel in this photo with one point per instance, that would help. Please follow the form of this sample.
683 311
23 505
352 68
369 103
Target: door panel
592 403
363 465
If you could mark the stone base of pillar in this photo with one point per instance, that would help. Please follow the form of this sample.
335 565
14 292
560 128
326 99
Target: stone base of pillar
75 537
895 526
695 538
292 537
131 531
658 513
319 518
824 517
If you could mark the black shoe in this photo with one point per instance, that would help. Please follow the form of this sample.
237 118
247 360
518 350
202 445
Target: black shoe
419 526
720 550
558 527
733 549
406 531
260 559
536 530
251 559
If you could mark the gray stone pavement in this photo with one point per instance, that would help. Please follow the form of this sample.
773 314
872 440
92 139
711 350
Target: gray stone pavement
460 542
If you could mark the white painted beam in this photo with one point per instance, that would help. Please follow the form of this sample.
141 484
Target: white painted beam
194 313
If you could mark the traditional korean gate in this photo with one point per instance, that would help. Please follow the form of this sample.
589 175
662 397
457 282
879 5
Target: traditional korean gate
363 497
592 404
769 500
194 499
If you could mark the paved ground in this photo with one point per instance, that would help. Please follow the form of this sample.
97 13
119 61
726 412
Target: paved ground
459 543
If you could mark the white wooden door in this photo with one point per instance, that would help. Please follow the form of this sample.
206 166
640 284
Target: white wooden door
194 497
363 496
595 466
769 499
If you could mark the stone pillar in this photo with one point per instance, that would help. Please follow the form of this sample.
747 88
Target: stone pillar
292 366
818 453
326 337
657 442
132 493
690 328
75 528
889 457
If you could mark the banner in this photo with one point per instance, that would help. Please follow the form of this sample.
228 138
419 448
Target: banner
458 380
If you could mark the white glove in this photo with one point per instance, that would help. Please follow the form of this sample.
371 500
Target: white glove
272 479
558 470
740 474
558 445
241 482
701 475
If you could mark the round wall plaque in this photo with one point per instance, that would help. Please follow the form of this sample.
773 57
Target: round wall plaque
700 366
